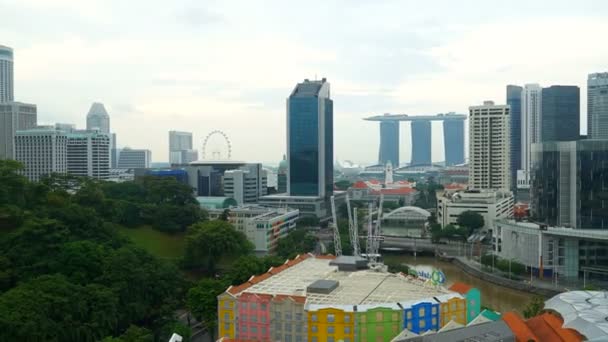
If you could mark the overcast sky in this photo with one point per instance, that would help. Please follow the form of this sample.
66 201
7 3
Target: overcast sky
229 65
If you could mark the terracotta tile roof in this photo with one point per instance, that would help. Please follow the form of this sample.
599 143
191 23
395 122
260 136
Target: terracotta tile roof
238 288
454 186
556 323
278 269
519 328
297 299
359 185
461 288
397 191
326 257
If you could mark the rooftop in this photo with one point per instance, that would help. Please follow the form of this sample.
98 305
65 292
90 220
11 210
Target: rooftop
406 117
583 311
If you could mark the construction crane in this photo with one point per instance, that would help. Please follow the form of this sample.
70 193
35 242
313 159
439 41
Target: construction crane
352 227
337 241
355 242
369 246
378 232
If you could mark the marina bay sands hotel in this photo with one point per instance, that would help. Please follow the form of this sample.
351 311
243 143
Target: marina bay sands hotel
453 138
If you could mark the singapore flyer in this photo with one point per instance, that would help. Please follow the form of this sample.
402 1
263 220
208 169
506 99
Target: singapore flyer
217 146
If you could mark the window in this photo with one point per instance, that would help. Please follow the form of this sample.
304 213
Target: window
243 328
331 329
263 330
314 339
278 326
421 312
244 305
298 328
226 326
226 304
254 329
253 306
264 307
434 322
298 316
226 316
363 318
263 319
287 338
409 326
330 339
314 329
409 314
379 317
434 310
395 328
299 338
254 318
346 318
288 316
347 330
346 339
395 316
331 318
244 318
422 324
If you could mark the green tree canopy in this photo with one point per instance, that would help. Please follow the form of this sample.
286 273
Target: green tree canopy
470 220
202 301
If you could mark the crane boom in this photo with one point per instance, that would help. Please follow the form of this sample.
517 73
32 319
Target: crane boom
356 246
337 241
352 229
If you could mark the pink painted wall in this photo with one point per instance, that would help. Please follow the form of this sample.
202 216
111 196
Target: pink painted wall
254 316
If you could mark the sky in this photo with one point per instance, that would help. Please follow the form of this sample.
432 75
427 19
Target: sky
229 65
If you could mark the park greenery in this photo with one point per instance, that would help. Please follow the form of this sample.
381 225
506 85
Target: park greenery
534 307
504 265
427 194
467 223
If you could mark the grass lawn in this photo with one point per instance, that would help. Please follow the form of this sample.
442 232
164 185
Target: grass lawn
163 245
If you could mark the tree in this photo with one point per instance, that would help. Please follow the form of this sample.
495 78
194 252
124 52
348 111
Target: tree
208 242
225 215
470 220
298 241
202 302
534 307
133 334
343 184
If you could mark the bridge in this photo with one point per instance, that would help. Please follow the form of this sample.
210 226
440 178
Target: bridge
453 137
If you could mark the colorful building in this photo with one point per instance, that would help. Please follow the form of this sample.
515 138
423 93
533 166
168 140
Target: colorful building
253 310
288 319
374 322
472 297
452 308
330 324
421 317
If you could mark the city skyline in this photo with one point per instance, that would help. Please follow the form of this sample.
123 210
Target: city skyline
422 65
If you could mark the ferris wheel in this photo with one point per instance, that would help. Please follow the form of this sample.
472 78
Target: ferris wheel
217 146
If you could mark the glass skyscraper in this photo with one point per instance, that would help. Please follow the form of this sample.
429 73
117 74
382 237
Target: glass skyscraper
453 142
389 143
597 106
560 113
514 101
6 74
421 142
569 185
310 140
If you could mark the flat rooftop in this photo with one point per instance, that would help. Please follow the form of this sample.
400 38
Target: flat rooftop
366 287
406 117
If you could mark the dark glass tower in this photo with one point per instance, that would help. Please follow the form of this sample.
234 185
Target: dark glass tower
514 101
421 142
389 143
310 140
560 118
453 142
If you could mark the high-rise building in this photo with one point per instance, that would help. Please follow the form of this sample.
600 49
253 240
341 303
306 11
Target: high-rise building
178 142
389 143
42 150
14 116
113 151
310 140
569 183
98 118
88 154
65 127
246 184
282 176
560 113
134 159
421 143
597 106
489 146
188 156
514 102
531 101
7 92
453 142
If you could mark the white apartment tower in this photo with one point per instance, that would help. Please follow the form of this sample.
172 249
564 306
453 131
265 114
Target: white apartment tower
597 106
6 74
42 151
531 100
489 146
134 159
179 142
14 116
246 184
88 154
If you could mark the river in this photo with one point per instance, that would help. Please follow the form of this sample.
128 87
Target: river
496 297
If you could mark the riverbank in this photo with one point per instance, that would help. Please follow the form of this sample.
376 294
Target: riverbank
470 269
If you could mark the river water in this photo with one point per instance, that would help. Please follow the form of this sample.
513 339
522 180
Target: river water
496 297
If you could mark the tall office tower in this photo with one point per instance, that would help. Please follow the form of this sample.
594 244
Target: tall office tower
282 176
560 113
178 142
134 159
98 118
597 106
569 183
188 156
453 142
389 143
310 144
7 90
14 116
42 151
113 151
514 102
88 154
421 142
489 146
246 184
530 129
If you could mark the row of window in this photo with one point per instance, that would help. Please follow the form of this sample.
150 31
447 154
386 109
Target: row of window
330 329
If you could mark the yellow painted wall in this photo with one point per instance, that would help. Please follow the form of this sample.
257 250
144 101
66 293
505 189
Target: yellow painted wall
320 325
226 306
454 310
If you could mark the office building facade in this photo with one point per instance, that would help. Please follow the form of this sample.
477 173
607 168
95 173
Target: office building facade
560 113
489 147
88 154
569 184
7 92
389 143
14 116
421 143
514 102
246 184
310 140
134 158
453 142
531 102
98 118
492 205
42 151
178 143
597 106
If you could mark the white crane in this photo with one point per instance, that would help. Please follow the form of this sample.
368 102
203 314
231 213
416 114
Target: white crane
337 241
352 228
356 246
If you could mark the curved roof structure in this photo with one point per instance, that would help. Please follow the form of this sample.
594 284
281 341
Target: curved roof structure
583 311
406 212
216 202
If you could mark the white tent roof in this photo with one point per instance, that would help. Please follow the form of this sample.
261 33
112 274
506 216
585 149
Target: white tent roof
584 311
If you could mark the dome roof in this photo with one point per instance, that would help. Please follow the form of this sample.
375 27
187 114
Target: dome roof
283 165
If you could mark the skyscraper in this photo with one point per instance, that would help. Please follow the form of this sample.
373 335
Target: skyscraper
389 143
178 143
453 142
489 146
560 113
597 106
310 140
42 150
514 102
88 154
421 142
14 116
530 129
98 118
132 159
6 74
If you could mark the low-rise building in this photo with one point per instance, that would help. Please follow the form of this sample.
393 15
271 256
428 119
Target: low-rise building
318 207
246 184
129 158
490 204
403 192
